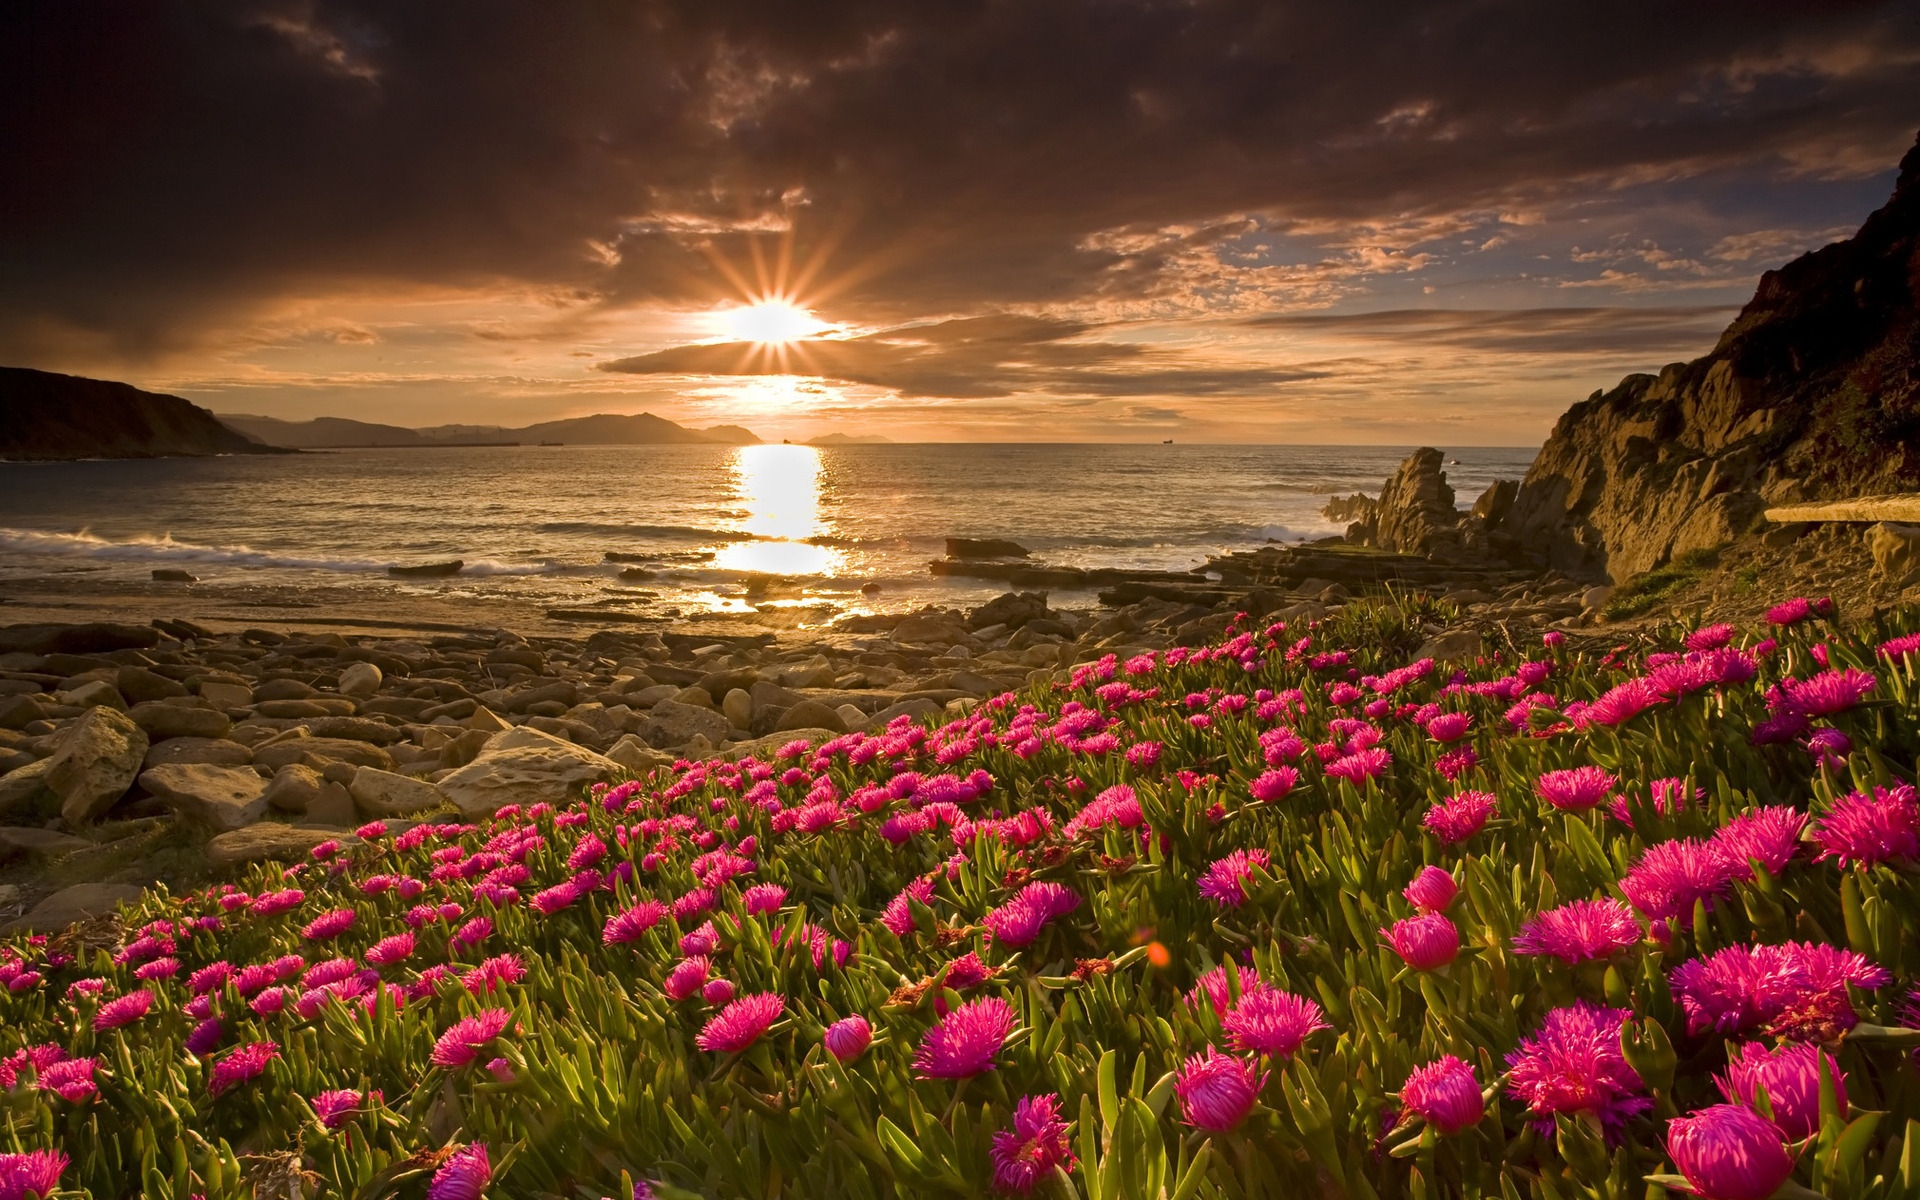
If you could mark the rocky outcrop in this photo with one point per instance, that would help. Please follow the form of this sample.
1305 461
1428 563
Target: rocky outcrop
1812 393
49 416
525 766
1416 514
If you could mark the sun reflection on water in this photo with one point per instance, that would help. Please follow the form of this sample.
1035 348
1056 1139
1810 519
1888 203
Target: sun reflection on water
779 488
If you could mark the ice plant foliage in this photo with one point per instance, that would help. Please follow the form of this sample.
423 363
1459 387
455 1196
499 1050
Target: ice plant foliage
1354 921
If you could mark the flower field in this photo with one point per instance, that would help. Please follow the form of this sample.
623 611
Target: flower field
1293 915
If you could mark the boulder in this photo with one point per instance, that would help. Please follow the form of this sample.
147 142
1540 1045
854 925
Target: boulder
94 693
18 841
174 575
222 797
225 694
984 548
18 712
76 639
283 689
1896 549
525 766
324 750
270 841
99 756
163 720
670 724
1453 646
355 729
359 680
80 902
1415 512
931 629
300 710
385 794
216 751
810 714
139 685
294 788
737 707
1013 609
560 691
22 785
636 756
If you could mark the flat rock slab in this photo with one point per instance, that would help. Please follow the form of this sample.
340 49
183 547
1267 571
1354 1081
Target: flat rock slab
217 752
346 750
1904 507
270 841
385 794
163 720
223 797
77 903
525 766
44 843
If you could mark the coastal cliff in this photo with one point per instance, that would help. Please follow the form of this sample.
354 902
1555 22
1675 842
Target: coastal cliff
44 416
1812 393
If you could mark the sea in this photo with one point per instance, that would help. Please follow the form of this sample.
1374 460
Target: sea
672 531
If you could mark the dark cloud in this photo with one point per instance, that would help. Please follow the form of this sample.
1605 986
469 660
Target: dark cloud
973 357
175 164
1614 331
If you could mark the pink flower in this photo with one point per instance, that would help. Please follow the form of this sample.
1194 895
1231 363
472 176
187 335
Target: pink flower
1360 766
1459 817
1573 1064
740 1024
500 970
763 898
1824 694
1271 1022
244 1063
390 950
71 1080
964 1042
687 977
1866 830
1271 786
34 1174
1445 1094
1798 609
1795 990
704 940
467 1037
1225 880
205 1037
848 1038
898 915
1575 789
1769 836
125 1010
1449 727
329 925
1623 702
1217 1091
1033 1147
1580 931
1432 890
1710 637
717 991
1671 877
1425 943
1790 1075
464 1176
632 923
336 1107
1729 1153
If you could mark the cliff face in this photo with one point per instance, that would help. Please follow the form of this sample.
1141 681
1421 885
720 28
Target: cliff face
1812 393
48 416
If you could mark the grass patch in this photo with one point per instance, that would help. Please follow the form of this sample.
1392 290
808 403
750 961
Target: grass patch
1647 590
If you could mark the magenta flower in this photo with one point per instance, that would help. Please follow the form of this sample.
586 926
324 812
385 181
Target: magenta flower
71 1079
500 970
1791 1077
1445 1094
1459 817
336 1107
122 1011
687 977
1769 836
464 1176
1449 727
1268 787
740 1024
1215 986
1711 637
898 915
1623 702
1270 1022
1824 694
1580 931
1359 767
1729 1153
1865 830
1573 1064
34 1174
390 950
244 1063
1226 878
1432 890
329 925
1901 647
1671 876
630 924
1217 1091
1425 943
964 1042
704 940
848 1038
717 991
1037 1143
205 1037
1798 609
1575 789
467 1037
763 898
1795 990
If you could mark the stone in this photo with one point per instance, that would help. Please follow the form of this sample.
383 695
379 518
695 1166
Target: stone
76 639
80 902
766 747
670 724
98 757
24 784
1415 512
647 697
355 729
163 720
810 714
1453 646
359 754
636 756
984 548
226 695
222 797
17 841
173 575
300 710
485 719
930 629
385 794
139 685
1896 549
1013 610
294 788
851 716
914 707
525 766
333 806
216 751
697 697
1595 598
359 680
561 692
464 747
270 841
95 693
18 712
283 689
737 707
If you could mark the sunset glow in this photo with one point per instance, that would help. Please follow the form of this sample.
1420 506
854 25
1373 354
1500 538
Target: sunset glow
773 321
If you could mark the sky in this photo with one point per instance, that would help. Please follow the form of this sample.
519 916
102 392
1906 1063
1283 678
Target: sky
1011 220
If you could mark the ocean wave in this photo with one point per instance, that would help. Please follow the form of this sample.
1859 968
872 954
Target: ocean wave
624 530
165 549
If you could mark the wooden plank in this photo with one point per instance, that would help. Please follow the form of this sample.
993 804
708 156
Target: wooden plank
1903 508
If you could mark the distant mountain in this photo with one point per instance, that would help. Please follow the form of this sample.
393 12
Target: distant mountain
603 429
850 439
47 416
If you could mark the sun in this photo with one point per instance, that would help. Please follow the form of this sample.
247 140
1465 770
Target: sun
771 321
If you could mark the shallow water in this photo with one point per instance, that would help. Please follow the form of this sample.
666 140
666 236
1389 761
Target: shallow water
536 523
